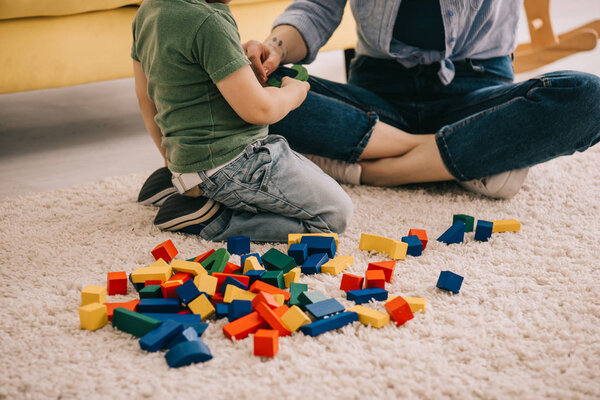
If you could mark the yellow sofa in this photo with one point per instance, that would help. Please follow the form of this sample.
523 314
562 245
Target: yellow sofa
56 43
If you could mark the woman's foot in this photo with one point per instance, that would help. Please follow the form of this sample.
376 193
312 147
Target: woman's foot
157 188
500 186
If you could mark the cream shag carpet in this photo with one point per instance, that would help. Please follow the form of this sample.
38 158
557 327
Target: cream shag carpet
526 323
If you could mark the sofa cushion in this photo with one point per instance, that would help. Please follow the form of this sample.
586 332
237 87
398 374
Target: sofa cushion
10 9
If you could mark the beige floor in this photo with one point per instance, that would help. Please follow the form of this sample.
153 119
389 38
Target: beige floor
62 137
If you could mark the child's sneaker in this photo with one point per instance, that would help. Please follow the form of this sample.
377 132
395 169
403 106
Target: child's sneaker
500 186
157 188
187 214
341 171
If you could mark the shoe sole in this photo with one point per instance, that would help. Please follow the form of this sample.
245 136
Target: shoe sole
159 198
206 212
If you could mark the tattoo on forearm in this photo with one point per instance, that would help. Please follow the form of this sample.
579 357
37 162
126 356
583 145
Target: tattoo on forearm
278 44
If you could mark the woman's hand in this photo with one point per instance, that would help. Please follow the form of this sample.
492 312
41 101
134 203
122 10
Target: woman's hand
264 59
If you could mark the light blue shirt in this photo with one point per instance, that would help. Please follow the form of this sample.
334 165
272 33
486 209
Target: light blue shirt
477 29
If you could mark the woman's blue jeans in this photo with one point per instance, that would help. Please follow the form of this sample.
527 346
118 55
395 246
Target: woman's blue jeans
484 124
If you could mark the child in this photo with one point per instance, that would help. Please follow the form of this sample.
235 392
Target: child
209 116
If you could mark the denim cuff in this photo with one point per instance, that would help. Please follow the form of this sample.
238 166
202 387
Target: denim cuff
360 146
442 144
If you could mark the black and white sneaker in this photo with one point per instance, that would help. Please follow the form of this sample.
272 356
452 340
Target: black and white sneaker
157 188
187 214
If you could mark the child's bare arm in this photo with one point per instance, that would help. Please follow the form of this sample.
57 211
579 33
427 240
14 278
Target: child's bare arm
261 105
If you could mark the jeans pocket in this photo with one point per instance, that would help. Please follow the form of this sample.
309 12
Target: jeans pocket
255 172
233 201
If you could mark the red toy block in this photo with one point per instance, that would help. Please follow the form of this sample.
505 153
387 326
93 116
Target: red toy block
399 310
231 268
153 282
116 283
386 266
258 286
184 312
130 305
242 327
221 276
272 319
181 276
264 297
421 233
374 278
351 282
217 298
166 250
266 342
169 289
204 256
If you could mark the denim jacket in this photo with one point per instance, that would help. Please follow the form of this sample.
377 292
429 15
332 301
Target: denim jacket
474 29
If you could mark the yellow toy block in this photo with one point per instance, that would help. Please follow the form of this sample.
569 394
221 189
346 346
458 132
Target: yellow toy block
279 298
297 237
190 267
252 264
337 265
93 294
235 293
158 271
292 276
368 316
201 305
416 304
506 225
93 316
294 318
206 284
395 249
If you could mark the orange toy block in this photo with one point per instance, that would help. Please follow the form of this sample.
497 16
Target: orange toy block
421 234
279 311
374 278
386 266
116 283
351 282
168 289
258 286
272 319
166 250
264 297
399 310
130 305
242 327
231 268
266 342
204 256
181 276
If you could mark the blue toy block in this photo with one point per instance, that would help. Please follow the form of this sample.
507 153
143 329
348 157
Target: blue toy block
151 292
187 292
157 338
325 308
238 309
319 244
295 290
328 324
186 353
454 234
415 246
483 231
243 258
299 252
158 306
255 275
449 281
238 245
232 281
187 320
137 286
313 264
187 335
361 296
221 310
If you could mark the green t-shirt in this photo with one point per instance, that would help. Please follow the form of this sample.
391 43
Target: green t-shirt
185 47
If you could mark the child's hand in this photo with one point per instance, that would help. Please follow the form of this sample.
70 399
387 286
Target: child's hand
299 87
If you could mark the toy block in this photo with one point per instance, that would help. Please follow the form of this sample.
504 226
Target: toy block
137 286
255 275
181 276
130 305
266 342
264 297
159 270
239 309
484 230
93 316
186 335
235 293
187 320
279 311
265 287
415 247
202 306
272 319
158 306
169 289
320 244
153 282
93 294
328 324
216 261
276 260
368 316
187 292
221 277
157 338
151 292
190 267
313 263
294 318
336 265
399 310
395 249
506 225
202 257
206 284
416 304
421 234
365 295
242 327
217 298
295 290
467 219
244 257
252 264
351 282
292 276
325 308
186 353
221 310
133 322
310 297
454 234
274 278
299 252
231 268
386 266
116 283
449 281
230 280
279 299
297 237
166 250
374 278
238 245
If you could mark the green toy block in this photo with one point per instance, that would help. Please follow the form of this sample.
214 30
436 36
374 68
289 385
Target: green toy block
311 297
295 290
133 322
151 292
467 219
274 278
275 260
217 261
301 75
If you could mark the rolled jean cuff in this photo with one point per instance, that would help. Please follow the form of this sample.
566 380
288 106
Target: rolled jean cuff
442 144
360 146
